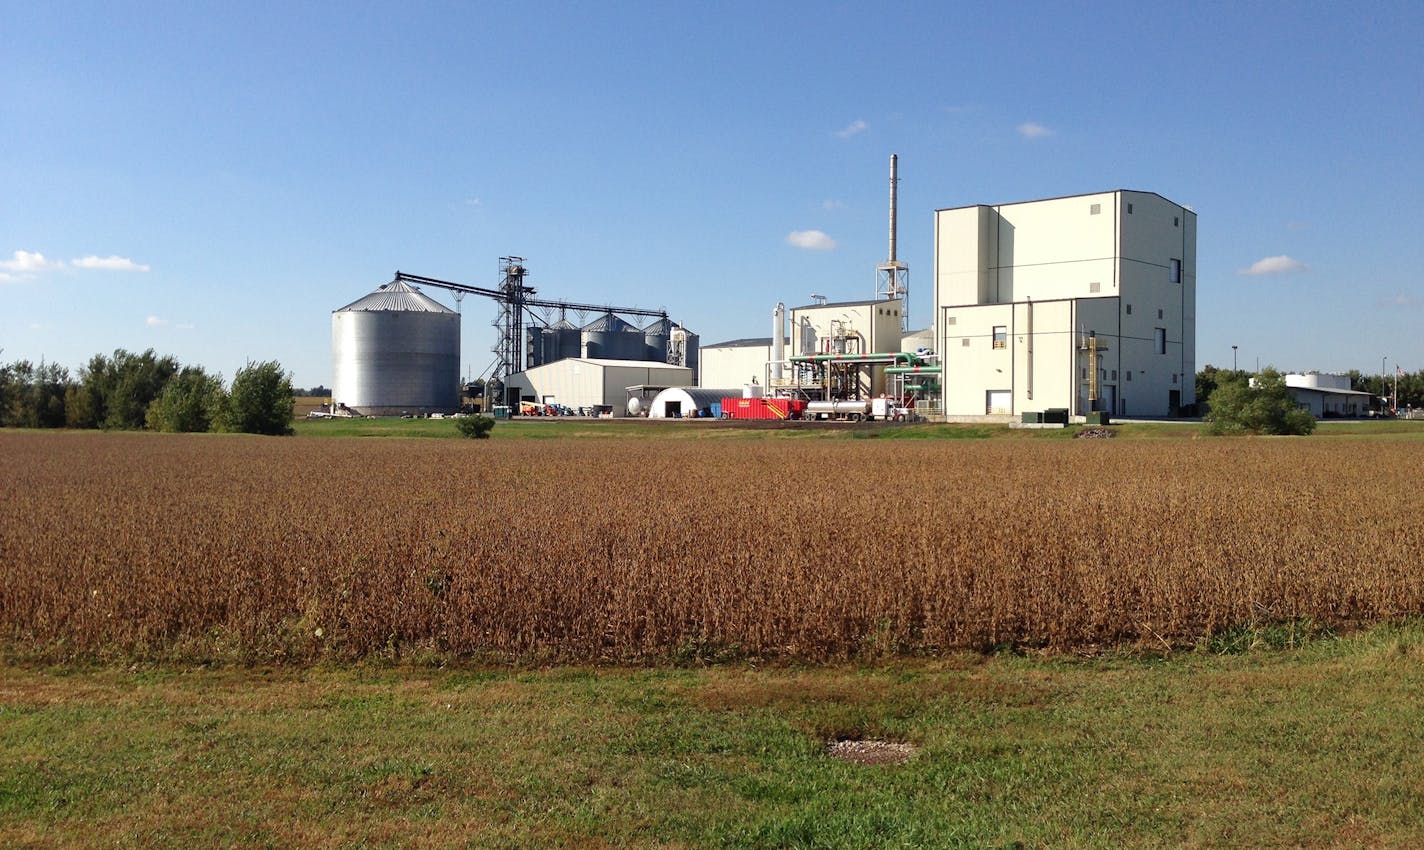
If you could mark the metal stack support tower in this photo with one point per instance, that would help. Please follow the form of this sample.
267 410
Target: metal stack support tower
892 277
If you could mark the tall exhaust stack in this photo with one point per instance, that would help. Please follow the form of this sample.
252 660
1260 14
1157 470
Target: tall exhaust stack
892 277
894 169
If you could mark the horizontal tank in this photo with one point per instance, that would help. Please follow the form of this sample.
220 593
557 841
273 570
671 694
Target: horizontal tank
396 351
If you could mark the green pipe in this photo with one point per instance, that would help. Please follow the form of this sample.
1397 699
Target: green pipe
912 358
907 370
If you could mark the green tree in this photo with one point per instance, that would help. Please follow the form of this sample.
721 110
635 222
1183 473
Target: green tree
115 392
33 396
1264 405
475 427
191 401
261 400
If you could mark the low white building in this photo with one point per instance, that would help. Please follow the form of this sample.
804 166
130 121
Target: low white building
593 382
1328 395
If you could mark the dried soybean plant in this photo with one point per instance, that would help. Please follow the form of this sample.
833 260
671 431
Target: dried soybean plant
148 546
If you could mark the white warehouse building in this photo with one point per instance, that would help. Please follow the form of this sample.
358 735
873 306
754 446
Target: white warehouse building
594 382
1085 302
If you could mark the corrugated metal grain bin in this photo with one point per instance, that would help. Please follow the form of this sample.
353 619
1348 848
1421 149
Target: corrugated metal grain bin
396 351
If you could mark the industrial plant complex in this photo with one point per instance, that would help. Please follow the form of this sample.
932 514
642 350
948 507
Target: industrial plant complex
1074 307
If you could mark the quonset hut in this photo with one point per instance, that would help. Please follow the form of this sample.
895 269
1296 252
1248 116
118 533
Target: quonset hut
396 351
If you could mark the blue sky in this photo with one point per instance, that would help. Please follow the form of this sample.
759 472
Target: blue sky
211 180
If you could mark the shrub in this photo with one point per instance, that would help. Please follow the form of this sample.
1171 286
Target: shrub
476 427
1260 406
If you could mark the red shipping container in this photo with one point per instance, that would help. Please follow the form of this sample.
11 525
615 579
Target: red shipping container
763 408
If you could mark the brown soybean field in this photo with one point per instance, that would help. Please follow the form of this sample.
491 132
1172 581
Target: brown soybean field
140 546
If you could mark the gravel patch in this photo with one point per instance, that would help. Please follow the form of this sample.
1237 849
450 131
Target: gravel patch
870 751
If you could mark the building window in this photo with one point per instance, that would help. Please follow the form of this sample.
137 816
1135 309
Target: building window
952 320
1129 309
1159 336
1001 336
1085 373
1174 377
1095 209
1159 312
1174 221
1129 209
1095 286
1114 374
1127 376
1176 271
964 343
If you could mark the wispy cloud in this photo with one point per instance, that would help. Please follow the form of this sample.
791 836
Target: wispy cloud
1401 300
24 262
109 263
472 202
1031 130
184 326
155 322
830 205
810 240
854 128
1273 265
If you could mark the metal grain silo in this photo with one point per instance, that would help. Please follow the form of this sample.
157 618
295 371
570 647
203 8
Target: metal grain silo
655 337
562 340
396 351
611 338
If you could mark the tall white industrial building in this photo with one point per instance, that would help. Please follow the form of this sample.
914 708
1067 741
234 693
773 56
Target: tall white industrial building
1085 302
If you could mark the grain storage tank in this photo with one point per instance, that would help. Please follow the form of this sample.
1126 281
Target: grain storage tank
655 338
562 340
396 351
611 338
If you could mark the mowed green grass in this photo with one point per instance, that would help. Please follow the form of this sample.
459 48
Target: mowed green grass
1320 746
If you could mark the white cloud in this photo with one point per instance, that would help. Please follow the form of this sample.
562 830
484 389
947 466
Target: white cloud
854 128
6 277
1273 265
811 240
29 261
109 263
155 322
184 326
1030 130
472 202
831 204
1401 300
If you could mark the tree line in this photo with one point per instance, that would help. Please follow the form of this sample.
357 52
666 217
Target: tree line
128 391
